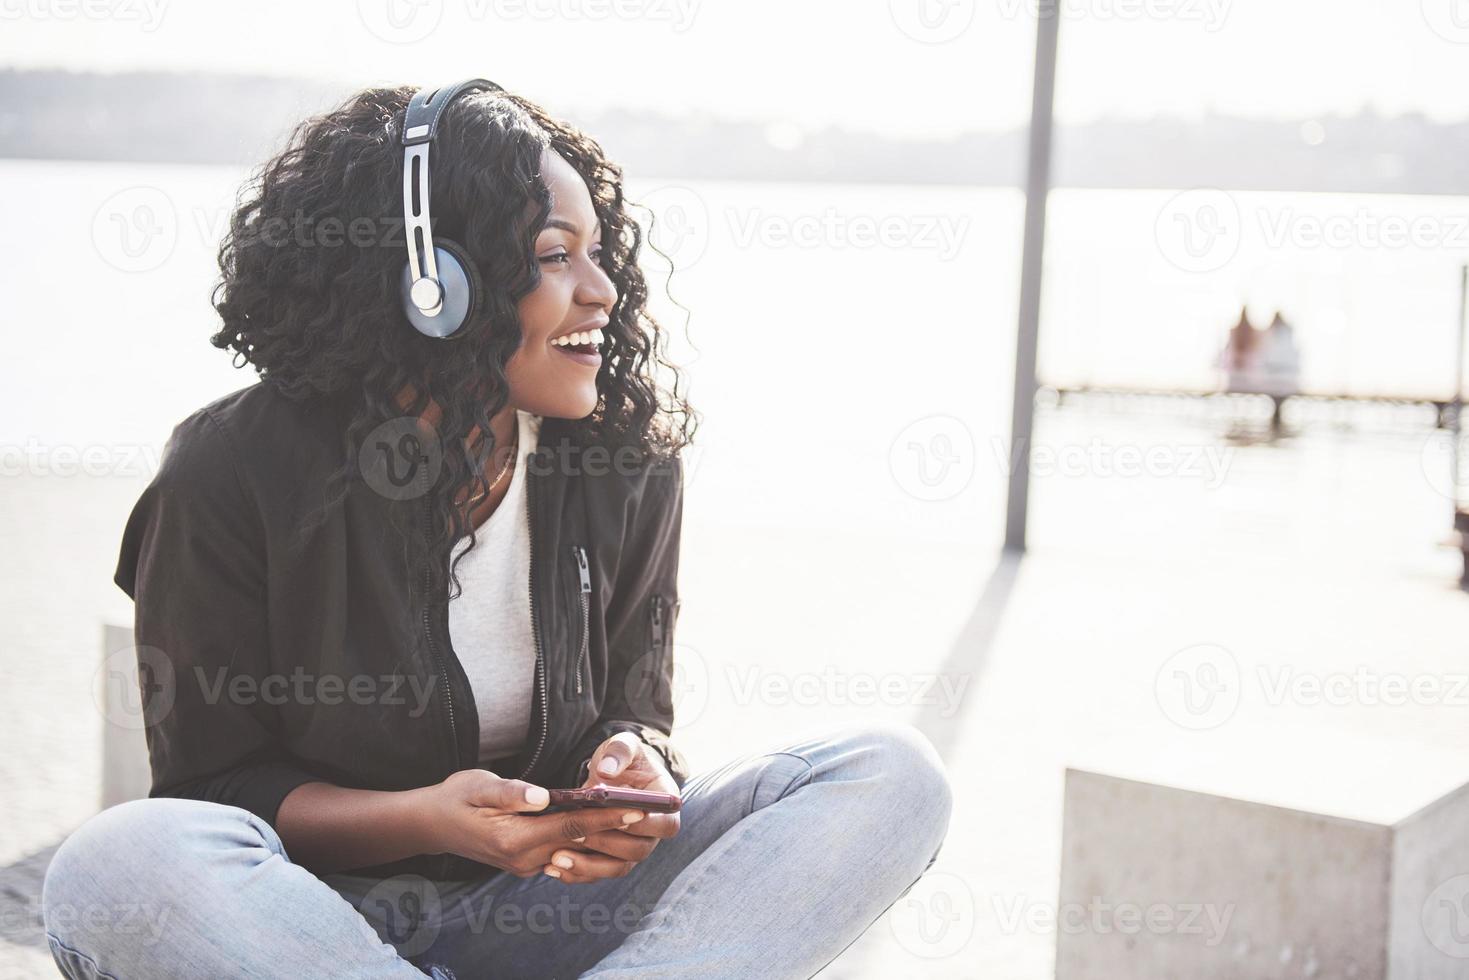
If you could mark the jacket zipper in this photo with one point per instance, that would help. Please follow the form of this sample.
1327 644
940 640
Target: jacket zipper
429 633
657 614
584 571
535 629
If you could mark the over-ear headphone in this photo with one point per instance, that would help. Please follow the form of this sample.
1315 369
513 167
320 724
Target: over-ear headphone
440 285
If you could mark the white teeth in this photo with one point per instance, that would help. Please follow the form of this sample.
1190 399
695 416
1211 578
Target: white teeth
577 339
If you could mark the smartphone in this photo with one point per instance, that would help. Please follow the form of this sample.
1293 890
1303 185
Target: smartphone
615 796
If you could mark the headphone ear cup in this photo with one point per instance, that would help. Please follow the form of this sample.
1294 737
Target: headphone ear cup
462 288
468 274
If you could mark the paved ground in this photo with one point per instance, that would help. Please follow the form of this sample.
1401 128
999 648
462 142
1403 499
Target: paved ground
1320 557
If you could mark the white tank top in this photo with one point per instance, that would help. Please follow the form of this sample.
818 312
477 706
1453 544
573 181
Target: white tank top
490 622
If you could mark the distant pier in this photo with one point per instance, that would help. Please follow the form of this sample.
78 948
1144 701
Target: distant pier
1277 410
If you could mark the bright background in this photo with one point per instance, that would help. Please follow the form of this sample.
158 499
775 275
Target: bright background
837 376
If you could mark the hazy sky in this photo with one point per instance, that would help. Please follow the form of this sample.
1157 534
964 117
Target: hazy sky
899 66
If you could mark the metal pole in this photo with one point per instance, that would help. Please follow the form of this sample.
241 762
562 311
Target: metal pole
1458 424
1037 185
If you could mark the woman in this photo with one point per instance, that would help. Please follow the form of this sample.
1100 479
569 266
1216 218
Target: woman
424 570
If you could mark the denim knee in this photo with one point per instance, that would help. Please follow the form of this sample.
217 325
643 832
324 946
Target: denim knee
112 874
911 778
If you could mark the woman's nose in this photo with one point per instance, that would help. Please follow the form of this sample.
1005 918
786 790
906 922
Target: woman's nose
596 288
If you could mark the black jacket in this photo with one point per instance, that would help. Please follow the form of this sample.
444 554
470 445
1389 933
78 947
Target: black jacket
270 656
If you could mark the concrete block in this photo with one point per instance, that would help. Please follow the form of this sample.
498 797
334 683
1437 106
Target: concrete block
1158 882
125 771
1429 928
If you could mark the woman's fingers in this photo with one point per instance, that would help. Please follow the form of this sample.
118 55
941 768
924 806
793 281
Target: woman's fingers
614 755
486 789
557 828
588 866
659 825
620 844
568 877
608 853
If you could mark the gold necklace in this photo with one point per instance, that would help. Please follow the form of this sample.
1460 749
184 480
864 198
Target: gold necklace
500 476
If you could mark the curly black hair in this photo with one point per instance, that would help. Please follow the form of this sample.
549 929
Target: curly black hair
309 290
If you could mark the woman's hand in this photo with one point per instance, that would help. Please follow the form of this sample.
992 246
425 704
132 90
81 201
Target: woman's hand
622 760
476 814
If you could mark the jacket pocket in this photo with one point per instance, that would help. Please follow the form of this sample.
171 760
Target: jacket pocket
582 630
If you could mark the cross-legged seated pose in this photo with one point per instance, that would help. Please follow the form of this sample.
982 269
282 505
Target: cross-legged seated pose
422 573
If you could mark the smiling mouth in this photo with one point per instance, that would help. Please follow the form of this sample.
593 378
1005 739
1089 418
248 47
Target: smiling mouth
585 354
586 348
583 347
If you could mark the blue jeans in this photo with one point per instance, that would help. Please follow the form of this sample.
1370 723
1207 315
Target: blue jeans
782 860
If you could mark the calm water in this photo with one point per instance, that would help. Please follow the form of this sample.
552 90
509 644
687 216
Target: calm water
863 300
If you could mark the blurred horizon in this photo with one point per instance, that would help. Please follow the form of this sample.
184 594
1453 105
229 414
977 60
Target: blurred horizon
217 117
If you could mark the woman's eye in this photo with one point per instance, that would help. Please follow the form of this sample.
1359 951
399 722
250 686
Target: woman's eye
564 258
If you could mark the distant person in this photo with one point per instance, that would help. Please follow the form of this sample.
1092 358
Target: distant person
1261 361
1237 357
1279 360
348 768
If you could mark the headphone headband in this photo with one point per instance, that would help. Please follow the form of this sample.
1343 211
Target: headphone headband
421 119
425 292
